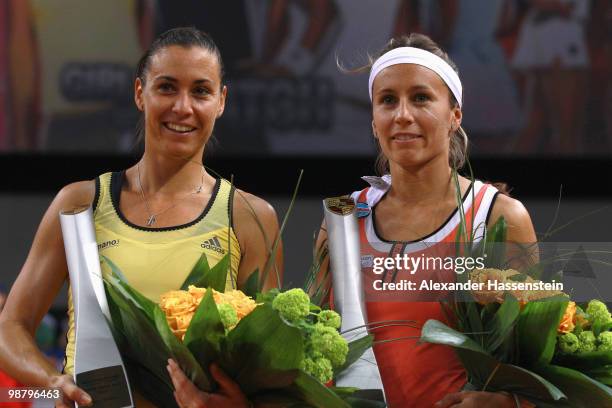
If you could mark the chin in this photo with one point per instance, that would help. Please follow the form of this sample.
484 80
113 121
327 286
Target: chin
181 151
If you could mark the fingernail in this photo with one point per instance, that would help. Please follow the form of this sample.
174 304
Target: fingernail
87 399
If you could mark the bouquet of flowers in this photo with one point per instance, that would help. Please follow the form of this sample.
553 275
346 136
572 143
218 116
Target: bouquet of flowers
584 340
278 346
535 343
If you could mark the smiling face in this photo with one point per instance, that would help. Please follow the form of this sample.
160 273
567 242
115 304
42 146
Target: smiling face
412 115
181 98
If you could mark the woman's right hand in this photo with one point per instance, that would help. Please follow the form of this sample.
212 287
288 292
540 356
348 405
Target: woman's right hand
70 392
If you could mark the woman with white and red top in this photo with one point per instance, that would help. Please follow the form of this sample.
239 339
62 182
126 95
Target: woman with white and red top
416 99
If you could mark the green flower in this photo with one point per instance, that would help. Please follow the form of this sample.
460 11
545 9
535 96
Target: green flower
598 312
327 341
568 343
587 341
605 341
329 318
320 368
228 316
293 304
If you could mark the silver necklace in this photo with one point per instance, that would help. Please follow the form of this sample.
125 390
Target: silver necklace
153 216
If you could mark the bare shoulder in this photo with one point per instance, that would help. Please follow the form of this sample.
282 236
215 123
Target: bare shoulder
247 206
511 209
78 194
256 228
520 227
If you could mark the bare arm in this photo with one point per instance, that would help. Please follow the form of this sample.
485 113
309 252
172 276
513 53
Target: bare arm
323 279
521 236
38 283
256 227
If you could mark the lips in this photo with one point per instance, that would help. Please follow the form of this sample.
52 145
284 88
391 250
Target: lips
179 128
405 137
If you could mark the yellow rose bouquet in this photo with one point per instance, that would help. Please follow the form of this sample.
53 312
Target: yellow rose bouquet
180 306
278 346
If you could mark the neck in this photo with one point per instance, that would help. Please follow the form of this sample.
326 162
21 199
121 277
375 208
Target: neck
170 176
423 184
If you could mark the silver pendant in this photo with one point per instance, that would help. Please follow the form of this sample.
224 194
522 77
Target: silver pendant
151 220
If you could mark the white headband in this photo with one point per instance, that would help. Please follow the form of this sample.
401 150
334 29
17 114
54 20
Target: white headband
411 55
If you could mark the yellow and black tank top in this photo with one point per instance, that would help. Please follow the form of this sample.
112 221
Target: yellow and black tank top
156 260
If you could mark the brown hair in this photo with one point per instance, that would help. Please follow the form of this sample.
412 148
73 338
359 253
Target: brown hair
458 148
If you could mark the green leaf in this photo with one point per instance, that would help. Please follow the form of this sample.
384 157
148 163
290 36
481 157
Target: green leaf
203 277
474 324
541 317
252 284
180 352
498 232
217 277
494 247
251 352
267 297
114 268
602 374
357 398
143 343
600 327
581 390
482 368
501 326
199 270
584 361
149 385
316 394
488 374
139 299
356 402
116 325
205 332
437 332
356 349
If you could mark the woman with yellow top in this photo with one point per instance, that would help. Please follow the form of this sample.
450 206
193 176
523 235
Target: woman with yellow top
153 220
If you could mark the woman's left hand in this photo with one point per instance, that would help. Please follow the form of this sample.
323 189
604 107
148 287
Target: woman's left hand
187 395
476 399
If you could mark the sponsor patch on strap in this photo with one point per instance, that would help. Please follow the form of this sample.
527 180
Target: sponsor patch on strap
363 210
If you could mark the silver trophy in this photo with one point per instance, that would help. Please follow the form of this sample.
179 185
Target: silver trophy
345 262
98 368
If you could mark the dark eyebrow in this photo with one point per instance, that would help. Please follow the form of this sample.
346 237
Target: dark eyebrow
172 79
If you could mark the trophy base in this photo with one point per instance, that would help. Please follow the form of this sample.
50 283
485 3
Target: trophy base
107 387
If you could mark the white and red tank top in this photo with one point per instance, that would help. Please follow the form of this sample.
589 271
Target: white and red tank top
414 374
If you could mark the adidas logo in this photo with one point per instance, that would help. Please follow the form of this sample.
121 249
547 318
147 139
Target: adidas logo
213 244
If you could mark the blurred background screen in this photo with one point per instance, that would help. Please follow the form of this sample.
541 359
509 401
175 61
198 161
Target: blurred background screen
536 77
